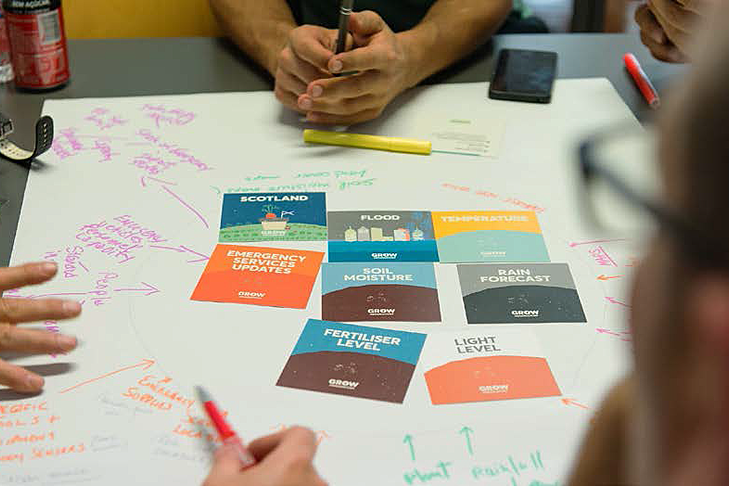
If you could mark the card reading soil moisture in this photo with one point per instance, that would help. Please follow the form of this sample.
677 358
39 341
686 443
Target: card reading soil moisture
259 276
489 236
357 361
469 366
284 216
380 292
365 236
523 293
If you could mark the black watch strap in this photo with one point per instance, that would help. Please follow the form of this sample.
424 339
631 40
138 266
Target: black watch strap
43 141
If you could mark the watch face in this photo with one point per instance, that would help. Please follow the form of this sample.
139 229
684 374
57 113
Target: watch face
6 126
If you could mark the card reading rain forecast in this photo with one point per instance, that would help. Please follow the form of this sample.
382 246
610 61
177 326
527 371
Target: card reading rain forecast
519 293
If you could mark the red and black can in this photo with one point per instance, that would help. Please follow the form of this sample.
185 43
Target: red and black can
37 43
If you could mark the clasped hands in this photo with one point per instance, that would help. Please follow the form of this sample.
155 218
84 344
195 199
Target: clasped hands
304 73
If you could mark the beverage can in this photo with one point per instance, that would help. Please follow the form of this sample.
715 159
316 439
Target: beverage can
37 43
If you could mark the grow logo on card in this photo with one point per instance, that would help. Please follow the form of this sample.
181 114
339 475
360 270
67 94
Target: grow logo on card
522 314
343 384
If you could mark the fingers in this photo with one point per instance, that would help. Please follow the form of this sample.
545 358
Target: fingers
696 6
366 24
666 52
28 310
677 22
295 444
226 466
649 26
654 37
329 119
354 86
312 43
28 274
372 57
19 379
263 446
34 341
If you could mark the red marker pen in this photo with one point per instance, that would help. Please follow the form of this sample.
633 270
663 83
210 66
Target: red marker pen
225 431
641 79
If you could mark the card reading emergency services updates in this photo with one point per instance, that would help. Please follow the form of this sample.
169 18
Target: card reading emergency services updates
469 366
357 361
489 236
259 276
379 292
365 236
523 293
284 216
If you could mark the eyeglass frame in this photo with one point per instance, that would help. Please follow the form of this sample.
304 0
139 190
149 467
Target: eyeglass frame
690 238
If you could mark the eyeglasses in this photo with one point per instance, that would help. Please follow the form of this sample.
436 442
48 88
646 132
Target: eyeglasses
623 192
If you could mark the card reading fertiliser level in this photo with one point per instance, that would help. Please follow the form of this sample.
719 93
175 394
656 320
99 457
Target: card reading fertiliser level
365 236
484 366
526 293
285 216
344 359
380 292
473 136
489 236
259 276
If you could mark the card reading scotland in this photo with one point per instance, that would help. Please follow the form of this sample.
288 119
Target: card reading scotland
483 366
365 236
523 293
259 276
358 361
489 236
285 216
380 292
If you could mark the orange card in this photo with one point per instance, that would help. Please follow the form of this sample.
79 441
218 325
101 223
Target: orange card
259 276
480 366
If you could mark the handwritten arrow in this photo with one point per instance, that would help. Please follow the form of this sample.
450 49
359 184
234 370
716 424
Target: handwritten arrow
613 301
409 441
606 331
145 364
574 244
606 278
197 213
467 431
145 179
183 249
572 401
150 289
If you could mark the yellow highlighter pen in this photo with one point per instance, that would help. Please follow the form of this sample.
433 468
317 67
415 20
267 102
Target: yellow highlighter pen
374 142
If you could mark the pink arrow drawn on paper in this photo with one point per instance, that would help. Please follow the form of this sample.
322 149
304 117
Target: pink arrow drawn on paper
144 180
613 301
188 206
574 244
184 249
607 331
150 289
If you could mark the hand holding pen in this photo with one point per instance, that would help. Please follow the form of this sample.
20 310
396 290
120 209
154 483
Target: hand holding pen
282 459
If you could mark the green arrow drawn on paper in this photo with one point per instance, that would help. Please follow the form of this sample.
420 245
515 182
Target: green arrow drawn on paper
467 431
409 441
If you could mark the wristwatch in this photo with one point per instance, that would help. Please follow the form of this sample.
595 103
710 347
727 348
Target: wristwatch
43 140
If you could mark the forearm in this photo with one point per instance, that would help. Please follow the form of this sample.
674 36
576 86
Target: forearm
259 27
450 30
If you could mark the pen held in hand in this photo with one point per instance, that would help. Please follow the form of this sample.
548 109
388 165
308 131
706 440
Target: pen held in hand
225 431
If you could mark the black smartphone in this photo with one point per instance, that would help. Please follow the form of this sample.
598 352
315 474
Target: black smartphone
523 75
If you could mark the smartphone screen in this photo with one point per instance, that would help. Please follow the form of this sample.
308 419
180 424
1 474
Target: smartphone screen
523 75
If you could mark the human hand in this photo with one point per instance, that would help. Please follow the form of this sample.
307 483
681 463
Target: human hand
303 59
30 341
380 59
284 459
667 27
